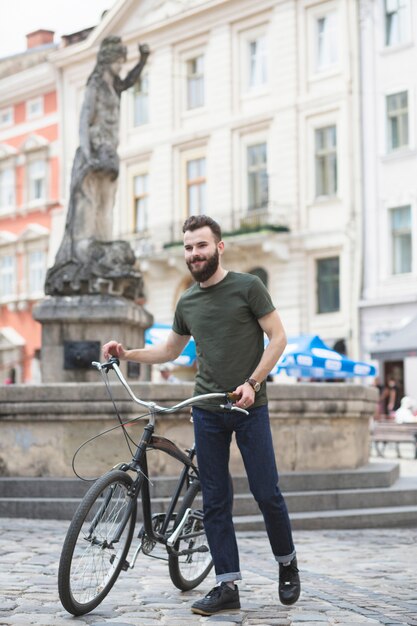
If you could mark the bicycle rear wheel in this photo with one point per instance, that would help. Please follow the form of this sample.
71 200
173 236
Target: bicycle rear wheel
188 570
97 543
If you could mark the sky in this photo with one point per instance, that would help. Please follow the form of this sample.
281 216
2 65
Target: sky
19 17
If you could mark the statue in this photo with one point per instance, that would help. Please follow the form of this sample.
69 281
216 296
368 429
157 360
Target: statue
88 261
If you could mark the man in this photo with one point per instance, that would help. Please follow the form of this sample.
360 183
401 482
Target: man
228 313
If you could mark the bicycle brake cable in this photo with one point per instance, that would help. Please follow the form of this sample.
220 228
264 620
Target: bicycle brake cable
107 384
105 432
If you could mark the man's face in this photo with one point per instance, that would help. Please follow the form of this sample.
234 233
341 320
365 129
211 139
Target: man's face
202 253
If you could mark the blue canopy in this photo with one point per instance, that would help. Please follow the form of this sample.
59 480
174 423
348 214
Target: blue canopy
159 333
307 356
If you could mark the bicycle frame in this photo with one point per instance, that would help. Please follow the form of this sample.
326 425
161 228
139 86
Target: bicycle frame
140 486
139 463
99 538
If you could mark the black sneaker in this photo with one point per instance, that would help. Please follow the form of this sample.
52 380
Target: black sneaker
221 598
289 583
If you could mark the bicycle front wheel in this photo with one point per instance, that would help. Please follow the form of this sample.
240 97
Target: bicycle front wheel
97 543
193 561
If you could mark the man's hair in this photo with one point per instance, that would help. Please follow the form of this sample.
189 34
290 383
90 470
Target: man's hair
199 221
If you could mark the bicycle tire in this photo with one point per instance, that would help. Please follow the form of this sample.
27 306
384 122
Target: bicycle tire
90 562
188 571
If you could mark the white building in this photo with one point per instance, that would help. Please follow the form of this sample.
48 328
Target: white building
247 111
389 125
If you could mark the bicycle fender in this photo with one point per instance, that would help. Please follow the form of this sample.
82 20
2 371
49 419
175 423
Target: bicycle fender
166 445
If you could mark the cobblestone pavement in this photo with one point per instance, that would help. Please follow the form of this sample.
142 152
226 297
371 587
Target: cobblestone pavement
349 578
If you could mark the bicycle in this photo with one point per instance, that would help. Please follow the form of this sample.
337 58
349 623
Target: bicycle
100 534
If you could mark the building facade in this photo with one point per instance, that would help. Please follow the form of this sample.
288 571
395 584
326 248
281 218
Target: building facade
29 195
388 38
248 112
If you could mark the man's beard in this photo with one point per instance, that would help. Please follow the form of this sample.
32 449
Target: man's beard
212 263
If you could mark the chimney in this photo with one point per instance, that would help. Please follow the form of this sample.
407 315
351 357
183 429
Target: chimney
39 38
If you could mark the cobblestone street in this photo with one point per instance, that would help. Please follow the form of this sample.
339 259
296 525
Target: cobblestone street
348 577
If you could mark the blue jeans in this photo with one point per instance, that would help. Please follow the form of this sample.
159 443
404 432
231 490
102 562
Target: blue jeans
213 434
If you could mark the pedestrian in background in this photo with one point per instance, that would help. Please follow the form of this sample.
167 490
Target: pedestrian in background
166 374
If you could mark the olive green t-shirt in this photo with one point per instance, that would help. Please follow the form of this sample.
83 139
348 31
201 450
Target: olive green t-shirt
223 321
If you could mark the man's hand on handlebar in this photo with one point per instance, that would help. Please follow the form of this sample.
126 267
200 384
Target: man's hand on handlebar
113 348
245 395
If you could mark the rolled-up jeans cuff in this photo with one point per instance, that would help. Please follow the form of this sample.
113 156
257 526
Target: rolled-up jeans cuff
285 559
228 578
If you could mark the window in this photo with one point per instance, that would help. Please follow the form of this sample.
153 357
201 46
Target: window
327 48
397 22
7 276
257 174
36 271
34 108
326 161
37 180
141 101
196 186
397 120
327 273
257 62
401 242
7 188
141 202
6 117
195 82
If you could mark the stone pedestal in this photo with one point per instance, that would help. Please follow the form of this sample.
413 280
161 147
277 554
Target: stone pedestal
315 427
67 321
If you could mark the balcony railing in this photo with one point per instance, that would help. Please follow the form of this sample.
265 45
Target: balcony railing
271 218
240 222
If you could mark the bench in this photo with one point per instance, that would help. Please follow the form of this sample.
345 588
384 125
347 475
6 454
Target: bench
386 432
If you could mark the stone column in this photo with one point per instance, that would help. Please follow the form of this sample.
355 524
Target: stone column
75 327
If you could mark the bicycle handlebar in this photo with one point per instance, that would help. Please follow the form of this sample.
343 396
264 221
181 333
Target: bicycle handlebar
113 363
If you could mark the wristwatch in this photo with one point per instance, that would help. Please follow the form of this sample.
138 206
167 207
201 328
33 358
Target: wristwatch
254 384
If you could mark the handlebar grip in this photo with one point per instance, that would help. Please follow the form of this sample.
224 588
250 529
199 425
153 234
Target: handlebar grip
232 397
108 365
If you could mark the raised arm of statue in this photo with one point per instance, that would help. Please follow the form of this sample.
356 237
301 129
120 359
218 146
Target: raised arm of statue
132 76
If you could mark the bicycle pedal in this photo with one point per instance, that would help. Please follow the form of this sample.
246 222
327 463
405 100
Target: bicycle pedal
125 566
191 551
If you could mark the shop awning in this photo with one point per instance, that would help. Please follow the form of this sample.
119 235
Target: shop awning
158 333
399 344
307 356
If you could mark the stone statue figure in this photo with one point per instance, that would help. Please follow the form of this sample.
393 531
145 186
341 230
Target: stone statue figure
88 261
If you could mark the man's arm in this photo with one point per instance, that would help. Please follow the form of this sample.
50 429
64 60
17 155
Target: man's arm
160 353
272 326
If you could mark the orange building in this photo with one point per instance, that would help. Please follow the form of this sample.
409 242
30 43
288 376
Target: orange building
29 194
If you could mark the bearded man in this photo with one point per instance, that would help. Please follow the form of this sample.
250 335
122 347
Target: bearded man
228 313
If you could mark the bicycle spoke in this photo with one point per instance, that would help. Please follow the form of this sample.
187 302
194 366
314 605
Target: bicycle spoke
97 543
94 566
189 569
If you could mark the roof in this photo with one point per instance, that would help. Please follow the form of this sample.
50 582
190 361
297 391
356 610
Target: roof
399 344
